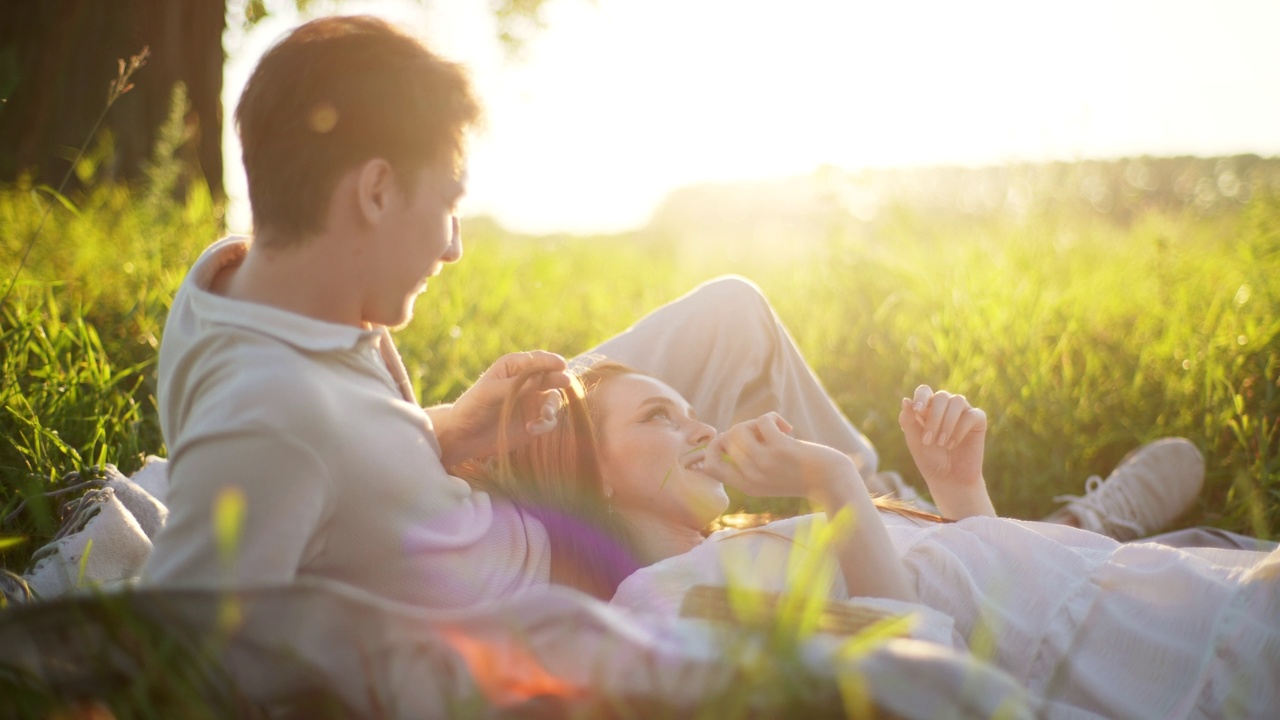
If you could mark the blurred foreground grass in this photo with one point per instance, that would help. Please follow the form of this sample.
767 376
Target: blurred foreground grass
1081 335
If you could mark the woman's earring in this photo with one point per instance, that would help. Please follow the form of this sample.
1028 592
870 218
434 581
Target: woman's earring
608 500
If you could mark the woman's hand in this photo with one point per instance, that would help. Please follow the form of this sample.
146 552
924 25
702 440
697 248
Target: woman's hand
469 427
946 436
760 458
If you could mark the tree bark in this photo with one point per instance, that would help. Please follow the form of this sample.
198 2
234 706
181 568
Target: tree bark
57 58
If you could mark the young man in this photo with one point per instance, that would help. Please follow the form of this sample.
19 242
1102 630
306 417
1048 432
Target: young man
296 447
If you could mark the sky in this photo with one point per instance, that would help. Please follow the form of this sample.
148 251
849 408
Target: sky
617 102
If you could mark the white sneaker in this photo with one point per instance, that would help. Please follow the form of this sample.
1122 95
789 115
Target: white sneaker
101 545
1150 488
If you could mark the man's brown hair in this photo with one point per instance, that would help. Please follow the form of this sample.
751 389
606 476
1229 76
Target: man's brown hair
337 92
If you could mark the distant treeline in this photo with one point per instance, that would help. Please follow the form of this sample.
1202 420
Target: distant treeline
811 205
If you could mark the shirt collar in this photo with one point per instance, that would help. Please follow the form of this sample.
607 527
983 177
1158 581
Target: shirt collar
303 332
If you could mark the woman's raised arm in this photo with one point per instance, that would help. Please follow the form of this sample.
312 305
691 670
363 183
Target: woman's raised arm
759 458
946 437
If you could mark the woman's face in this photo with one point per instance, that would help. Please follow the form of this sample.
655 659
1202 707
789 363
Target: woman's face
651 446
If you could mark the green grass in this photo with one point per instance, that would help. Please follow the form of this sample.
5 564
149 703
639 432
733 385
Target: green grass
1082 334
1081 339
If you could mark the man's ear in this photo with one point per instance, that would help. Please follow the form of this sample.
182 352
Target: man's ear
375 189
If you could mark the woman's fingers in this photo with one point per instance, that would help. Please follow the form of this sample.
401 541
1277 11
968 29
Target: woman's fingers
938 415
752 455
937 410
921 398
744 444
774 428
911 422
716 460
955 407
971 420
750 433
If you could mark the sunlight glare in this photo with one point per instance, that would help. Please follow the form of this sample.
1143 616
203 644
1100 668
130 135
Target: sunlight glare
617 102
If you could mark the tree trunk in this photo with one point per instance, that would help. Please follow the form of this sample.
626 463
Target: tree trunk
57 58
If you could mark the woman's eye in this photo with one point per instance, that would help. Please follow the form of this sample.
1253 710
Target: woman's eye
658 412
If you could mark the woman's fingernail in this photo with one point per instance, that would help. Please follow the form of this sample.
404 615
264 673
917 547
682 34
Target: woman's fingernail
942 439
919 406
928 437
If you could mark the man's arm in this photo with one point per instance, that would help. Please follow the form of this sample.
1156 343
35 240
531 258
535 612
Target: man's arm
244 506
468 428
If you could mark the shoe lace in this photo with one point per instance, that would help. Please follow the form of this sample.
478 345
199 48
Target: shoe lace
13 588
75 514
1105 506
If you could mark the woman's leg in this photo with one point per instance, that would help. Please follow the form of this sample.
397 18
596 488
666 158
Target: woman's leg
723 348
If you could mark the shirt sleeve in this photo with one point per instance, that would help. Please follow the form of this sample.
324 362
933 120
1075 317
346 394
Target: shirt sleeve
244 509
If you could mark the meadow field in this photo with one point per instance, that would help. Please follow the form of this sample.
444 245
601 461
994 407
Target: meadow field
1083 329
1083 333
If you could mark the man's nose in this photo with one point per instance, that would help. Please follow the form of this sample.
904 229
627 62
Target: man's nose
453 253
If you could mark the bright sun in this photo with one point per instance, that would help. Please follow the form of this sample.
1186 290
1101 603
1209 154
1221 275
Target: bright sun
617 102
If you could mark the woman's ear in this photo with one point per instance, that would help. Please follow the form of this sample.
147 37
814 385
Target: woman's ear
375 190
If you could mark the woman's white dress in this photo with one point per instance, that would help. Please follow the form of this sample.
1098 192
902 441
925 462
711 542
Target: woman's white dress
1092 626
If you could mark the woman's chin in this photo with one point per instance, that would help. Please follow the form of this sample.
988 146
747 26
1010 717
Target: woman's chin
713 507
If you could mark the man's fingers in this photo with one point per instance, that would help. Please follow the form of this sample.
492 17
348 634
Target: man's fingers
552 402
555 380
514 364
541 409
540 426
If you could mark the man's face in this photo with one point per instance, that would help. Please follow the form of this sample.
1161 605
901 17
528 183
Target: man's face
420 233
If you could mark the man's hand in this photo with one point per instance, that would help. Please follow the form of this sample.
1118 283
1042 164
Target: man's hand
469 427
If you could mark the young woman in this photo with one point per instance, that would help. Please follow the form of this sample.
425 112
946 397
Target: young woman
1093 626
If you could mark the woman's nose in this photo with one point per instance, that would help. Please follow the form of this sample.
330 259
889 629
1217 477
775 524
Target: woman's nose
703 433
